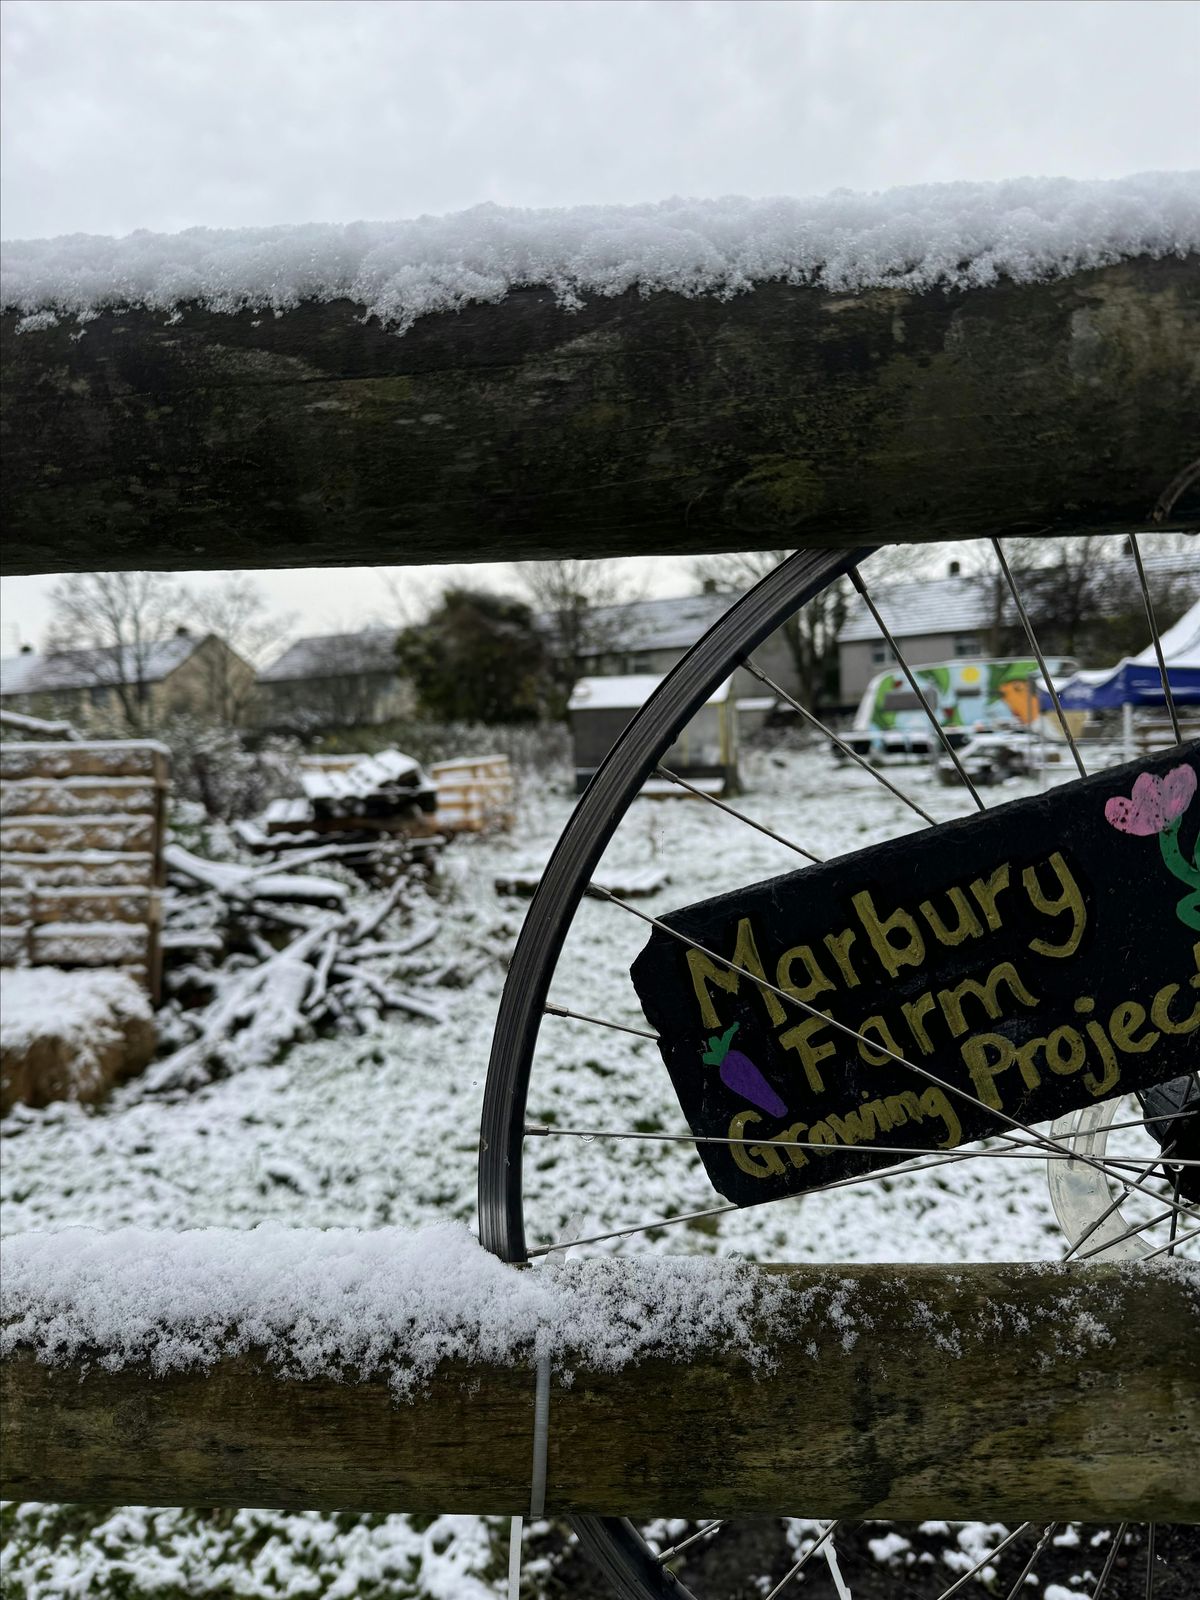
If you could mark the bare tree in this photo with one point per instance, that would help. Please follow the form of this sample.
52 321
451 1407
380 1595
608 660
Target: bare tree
237 611
111 622
811 632
571 597
1082 592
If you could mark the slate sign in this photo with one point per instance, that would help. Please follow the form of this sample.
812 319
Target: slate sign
1038 956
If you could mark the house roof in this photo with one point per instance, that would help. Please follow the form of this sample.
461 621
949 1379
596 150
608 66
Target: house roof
669 624
963 604
926 605
333 655
628 692
81 669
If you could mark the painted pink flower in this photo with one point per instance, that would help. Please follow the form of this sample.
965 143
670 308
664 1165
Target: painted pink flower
1156 803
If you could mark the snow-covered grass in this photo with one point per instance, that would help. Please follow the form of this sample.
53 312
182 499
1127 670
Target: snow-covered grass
919 237
381 1131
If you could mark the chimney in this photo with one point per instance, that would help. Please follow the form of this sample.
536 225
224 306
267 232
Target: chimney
955 569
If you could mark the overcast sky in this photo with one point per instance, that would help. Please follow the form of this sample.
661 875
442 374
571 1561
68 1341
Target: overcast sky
123 114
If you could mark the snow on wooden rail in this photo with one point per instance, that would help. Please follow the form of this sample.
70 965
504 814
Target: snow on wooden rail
942 362
393 1371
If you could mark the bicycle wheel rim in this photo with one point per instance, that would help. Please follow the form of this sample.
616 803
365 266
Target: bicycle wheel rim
604 802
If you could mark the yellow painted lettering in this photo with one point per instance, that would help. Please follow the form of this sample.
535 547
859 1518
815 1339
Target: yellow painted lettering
1106 1082
811 1053
1160 1012
1065 1051
815 980
1126 1019
966 925
856 1127
988 995
985 1056
914 1013
727 976
934 1103
1068 901
757 1160
987 891
877 1028
908 951
838 945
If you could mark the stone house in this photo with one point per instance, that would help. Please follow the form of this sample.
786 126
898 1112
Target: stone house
334 680
131 690
650 636
931 619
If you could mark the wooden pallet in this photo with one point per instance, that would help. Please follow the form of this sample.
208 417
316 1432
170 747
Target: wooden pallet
475 794
81 829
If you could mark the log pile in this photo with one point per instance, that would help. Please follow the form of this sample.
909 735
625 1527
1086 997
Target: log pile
258 958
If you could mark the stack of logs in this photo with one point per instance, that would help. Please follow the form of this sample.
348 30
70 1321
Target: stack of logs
259 957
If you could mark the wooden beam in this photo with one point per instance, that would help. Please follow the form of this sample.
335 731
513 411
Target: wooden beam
636 425
984 1391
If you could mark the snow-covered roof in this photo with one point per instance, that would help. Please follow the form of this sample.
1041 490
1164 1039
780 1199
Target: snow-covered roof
963 603
629 690
1180 643
924 606
919 237
330 655
670 624
80 669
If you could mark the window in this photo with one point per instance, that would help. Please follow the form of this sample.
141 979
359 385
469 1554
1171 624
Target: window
966 644
882 655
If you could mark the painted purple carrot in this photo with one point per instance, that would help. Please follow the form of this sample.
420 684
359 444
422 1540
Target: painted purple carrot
739 1074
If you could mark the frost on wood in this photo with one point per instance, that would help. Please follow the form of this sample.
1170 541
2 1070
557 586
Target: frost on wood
347 1303
392 1304
958 234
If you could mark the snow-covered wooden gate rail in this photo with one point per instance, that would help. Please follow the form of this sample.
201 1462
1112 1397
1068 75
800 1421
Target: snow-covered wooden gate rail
395 1372
940 363
227 404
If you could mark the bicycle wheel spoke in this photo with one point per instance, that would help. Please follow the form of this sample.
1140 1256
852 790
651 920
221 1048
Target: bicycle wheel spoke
1033 1560
1150 1541
962 1582
706 1532
1037 650
1172 1244
802 1563
1117 1163
1047 1142
1154 638
1098 1222
905 1169
752 666
702 794
1134 1228
636 1227
552 1010
856 579
1109 1561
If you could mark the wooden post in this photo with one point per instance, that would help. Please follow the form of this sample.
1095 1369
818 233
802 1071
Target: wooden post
986 1391
637 425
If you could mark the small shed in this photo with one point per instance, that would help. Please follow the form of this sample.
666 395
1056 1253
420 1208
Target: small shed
706 752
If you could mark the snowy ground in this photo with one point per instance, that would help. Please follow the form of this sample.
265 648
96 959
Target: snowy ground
382 1130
